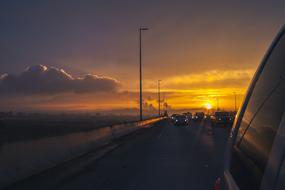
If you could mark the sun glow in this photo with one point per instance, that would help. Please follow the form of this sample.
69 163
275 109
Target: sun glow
208 106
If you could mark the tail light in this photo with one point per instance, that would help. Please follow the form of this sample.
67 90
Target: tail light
217 185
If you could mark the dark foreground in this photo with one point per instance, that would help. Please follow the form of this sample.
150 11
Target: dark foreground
162 157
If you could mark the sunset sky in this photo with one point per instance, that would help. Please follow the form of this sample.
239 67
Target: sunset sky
83 55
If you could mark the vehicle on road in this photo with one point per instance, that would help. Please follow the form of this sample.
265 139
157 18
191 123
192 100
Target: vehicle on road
181 120
255 155
173 116
198 116
188 115
222 118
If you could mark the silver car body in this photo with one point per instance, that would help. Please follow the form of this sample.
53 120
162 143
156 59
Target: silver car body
273 172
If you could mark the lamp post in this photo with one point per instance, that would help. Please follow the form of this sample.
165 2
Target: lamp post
235 94
217 98
158 90
140 57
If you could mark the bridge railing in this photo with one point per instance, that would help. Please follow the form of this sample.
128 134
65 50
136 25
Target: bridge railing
19 160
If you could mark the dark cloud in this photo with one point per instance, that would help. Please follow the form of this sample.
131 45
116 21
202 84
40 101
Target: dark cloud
40 79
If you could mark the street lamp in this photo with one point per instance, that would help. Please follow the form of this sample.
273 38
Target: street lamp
158 90
140 43
217 98
235 94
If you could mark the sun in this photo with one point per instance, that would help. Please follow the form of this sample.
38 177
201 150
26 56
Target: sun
208 106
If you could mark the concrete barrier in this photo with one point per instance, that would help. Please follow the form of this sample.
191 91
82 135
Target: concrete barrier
19 160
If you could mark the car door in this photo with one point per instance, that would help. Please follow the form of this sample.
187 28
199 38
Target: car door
259 121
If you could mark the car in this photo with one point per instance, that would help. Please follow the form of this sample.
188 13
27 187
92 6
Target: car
181 120
198 116
255 155
173 116
188 115
222 118
232 116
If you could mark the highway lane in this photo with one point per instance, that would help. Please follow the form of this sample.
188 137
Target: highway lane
163 157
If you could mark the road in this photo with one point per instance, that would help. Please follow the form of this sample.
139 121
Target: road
162 157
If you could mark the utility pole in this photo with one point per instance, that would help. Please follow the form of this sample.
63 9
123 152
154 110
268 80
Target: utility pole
217 98
140 57
235 94
158 90
164 103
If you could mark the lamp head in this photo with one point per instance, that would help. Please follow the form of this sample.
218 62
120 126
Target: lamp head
144 28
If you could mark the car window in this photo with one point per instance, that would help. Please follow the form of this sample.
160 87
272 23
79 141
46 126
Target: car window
260 122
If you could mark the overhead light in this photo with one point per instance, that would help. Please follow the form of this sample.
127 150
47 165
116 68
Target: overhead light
143 28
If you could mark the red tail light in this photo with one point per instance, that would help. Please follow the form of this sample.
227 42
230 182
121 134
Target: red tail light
217 185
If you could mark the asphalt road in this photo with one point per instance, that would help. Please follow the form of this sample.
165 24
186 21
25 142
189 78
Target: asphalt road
163 157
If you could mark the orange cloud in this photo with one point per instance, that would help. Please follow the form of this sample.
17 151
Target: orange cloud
210 79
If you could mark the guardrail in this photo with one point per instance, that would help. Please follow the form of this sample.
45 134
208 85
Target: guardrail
19 160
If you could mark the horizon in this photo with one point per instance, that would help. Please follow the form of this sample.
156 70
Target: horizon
83 55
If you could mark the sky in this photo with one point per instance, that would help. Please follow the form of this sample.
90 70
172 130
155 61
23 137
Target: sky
83 55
